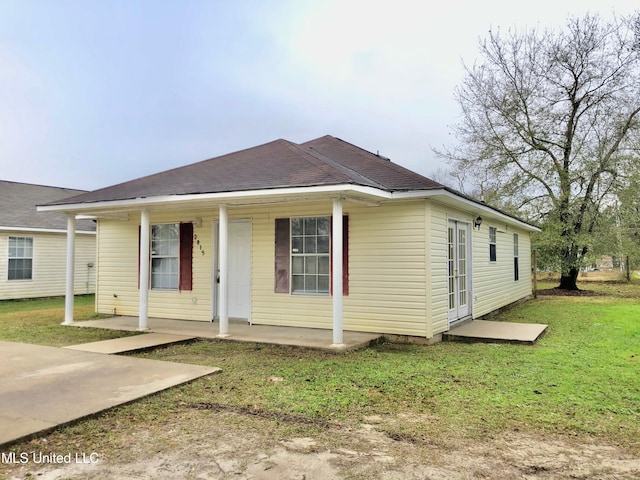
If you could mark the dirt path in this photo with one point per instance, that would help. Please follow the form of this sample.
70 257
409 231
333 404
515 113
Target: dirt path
223 445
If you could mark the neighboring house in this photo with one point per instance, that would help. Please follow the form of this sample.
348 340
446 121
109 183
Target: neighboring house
33 244
321 234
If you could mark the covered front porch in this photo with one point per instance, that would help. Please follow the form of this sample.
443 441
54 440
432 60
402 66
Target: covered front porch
314 338
207 277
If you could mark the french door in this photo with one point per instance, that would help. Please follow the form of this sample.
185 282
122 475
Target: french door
458 256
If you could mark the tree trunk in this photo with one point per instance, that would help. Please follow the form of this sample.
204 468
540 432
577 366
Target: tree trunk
569 281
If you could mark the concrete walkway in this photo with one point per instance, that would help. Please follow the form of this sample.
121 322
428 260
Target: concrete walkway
131 344
242 332
488 331
44 387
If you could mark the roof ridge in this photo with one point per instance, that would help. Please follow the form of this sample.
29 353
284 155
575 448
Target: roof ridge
387 161
315 160
351 173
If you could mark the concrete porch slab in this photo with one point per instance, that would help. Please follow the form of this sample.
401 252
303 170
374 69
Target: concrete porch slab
44 387
130 344
243 332
489 331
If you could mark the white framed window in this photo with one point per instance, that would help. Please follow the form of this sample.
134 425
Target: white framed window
20 258
493 244
516 269
165 254
310 255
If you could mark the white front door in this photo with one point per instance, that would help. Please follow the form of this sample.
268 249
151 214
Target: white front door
239 265
458 270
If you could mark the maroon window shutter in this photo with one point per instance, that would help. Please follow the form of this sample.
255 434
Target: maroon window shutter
345 257
282 246
186 256
139 238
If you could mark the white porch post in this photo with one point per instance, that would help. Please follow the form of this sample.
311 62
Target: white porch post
336 273
223 265
71 263
143 309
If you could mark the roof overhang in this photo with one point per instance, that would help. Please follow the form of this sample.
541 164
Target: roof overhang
356 193
43 230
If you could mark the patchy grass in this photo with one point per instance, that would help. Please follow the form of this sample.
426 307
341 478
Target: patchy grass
38 321
580 380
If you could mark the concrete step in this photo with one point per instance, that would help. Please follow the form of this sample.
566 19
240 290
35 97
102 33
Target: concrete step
489 331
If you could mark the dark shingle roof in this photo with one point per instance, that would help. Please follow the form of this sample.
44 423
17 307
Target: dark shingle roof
278 164
18 207
366 168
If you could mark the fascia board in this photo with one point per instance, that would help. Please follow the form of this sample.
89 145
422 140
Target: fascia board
452 198
44 230
252 195
220 198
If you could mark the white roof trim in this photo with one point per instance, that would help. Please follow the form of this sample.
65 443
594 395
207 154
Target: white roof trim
44 230
336 190
217 197
467 203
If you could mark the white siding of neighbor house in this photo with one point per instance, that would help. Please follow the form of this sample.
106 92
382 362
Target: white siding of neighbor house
49 265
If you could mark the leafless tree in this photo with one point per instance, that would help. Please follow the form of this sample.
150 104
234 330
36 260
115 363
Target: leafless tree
552 118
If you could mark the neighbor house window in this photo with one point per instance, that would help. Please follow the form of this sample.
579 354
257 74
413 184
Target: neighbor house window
516 270
20 258
492 244
310 248
302 255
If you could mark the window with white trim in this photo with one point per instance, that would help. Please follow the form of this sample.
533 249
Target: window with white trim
165 251
493 234
310 248
20 258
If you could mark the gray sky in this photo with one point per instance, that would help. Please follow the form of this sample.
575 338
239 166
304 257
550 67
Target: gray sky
94 93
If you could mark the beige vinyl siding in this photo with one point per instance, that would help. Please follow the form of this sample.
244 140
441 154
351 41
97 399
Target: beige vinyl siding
118 270
387 274
494 284
438 265
268 307
397 268
117 287
386 269
49 266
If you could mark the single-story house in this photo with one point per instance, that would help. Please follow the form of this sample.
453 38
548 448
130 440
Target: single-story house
33 244
321 234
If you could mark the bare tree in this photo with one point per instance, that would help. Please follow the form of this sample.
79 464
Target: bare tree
552 118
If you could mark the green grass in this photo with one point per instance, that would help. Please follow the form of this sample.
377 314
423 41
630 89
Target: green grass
581 379
38 321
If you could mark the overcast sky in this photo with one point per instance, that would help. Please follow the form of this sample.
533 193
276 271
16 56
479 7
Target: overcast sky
94 93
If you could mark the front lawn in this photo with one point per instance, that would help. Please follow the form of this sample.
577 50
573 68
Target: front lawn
581 379
39 321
